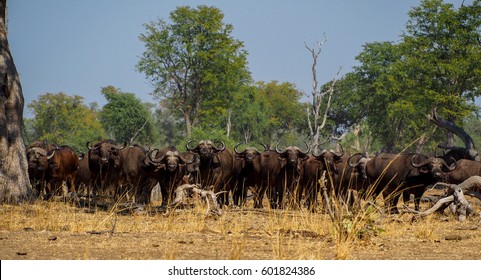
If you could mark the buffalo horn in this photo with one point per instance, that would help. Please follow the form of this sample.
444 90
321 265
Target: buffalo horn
452 166
265 147
314 151
187 146
90 147
51 155
418 165
235 148
222 147
186 161
121 147
357 162
155 160
340 154
277 148
308 148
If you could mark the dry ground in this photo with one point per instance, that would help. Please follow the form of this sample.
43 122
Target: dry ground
55 230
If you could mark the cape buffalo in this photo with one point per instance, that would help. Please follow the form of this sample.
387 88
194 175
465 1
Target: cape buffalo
168 166
281 172
105 164
135 182
215 168
465 168
393 174
248 162
62 168
38 164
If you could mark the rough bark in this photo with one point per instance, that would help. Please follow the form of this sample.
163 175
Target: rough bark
14 184
453 128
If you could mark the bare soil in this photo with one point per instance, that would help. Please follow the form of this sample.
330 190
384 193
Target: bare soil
46 232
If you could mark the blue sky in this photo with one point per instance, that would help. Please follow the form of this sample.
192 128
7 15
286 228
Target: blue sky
77 47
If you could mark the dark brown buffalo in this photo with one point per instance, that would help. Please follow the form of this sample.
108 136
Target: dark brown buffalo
248 162
105 164
37 168
340 177
83 180
62 168
312 170
281 173
393 174
215 168
38 164
333 164
465 168
168 166
135 183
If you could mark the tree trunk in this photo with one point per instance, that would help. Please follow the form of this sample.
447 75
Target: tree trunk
14 183
188 125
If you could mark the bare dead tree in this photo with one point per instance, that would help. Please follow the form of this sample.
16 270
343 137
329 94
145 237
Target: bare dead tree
316 118
181 194
456 130
454 198
138 131
14 184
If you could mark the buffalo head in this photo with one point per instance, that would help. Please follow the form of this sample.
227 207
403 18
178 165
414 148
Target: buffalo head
249 154
206 149
105 152
434 166
358 162
292 154
38 158
330 158
169 160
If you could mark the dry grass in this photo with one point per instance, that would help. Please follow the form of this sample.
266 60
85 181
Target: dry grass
238 234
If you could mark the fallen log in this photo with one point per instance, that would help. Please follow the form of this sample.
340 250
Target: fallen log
454 198
182 192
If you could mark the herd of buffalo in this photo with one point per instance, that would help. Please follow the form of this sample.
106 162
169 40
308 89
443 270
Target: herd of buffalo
287 177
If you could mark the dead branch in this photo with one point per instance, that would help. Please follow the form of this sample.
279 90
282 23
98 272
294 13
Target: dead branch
455 199
456 130
138 131
181 194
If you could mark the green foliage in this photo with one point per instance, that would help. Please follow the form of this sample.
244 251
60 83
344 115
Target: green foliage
195 63
126 118
171 128
266 112
436 64
211 133
62 119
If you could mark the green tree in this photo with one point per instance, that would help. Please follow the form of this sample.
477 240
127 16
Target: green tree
63 119
435 64
441 57
267 112
170 125
195 63
126 118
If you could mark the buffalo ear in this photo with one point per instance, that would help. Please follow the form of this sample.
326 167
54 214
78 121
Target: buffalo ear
305 157
424 170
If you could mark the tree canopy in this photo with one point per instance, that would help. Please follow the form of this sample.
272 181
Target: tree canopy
63 119
194 63
199 74
435 64
126 118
